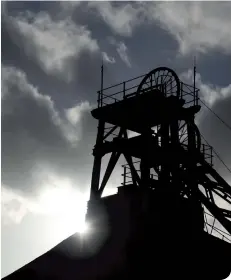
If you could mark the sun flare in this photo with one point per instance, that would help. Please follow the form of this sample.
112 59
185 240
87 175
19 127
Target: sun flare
68 207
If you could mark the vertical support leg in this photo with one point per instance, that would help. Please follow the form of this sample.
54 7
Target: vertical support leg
97 162
144 165
191 164
165 174
174 136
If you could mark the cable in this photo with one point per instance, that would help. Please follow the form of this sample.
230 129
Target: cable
227 125
217 154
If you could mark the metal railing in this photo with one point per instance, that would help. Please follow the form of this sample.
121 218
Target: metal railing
119 91
207 152
189 93
129 88
127 174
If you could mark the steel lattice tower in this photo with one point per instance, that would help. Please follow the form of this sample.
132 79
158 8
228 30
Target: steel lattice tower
168 171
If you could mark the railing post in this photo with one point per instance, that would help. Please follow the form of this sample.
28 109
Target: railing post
181 87
101 99
211 154
98 101
197 97
124 90
125 170
212 226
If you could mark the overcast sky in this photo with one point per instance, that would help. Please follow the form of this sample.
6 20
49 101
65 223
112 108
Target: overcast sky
51 57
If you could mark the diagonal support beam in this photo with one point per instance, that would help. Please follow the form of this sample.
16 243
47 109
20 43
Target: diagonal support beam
111 165
226 187
215 211
135 176
222 195
110 131
209 194
218 190
226 213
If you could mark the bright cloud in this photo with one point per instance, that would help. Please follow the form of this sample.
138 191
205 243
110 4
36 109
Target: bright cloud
209 93
74 114
122 50
122 19
13 206
108 58
53 43
197 26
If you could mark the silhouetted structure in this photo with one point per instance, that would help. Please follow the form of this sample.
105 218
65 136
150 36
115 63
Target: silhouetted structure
155 225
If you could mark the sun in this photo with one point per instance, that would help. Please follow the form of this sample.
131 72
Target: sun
67 206
83 228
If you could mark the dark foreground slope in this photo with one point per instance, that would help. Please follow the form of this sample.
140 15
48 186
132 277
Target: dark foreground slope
128 242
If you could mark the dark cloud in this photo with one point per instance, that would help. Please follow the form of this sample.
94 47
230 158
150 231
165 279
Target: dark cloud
219 65
35 135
